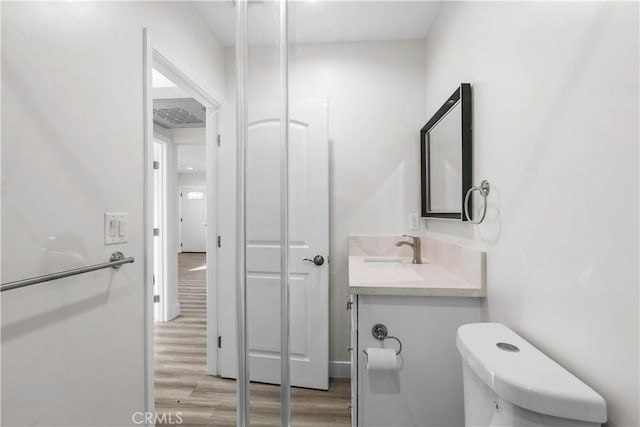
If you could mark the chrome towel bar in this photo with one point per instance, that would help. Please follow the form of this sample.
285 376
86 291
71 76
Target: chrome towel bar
117 259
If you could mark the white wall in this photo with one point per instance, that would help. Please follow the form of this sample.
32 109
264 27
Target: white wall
555 107
188 135
191 158
196 179
72 149
161 132
375 92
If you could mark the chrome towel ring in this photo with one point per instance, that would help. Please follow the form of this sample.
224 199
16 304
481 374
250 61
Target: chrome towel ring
380 332
484 192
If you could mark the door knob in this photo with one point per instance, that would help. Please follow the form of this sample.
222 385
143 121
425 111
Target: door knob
317 260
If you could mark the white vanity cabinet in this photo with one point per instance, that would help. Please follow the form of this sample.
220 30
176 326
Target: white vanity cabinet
423 305
426 390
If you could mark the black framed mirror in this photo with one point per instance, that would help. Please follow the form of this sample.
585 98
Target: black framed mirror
446 166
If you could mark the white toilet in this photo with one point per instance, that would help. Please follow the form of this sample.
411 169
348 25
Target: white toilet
508 382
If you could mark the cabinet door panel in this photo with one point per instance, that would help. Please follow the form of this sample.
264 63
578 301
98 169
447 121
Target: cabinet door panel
427 389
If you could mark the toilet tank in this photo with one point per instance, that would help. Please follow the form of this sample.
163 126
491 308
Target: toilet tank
509 382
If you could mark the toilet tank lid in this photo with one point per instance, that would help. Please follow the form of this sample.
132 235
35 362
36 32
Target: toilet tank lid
526 377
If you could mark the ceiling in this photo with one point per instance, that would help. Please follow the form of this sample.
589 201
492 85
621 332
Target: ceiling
172 106
324 21
174 113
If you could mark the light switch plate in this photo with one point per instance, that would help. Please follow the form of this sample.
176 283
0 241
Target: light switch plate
113 224
414 221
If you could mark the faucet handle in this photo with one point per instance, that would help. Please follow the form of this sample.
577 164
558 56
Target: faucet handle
414 238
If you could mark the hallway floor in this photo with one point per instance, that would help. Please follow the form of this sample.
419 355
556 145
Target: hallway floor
182 385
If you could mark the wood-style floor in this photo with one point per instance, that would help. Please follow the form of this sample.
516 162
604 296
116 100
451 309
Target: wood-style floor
182 385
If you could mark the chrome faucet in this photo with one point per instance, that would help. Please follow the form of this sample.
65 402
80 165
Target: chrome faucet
416 246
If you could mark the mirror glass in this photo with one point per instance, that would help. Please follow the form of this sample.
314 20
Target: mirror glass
445 162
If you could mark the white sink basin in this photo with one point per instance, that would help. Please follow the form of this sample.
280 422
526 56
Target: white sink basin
384 263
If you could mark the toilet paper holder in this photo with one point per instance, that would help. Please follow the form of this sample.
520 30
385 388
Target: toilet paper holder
380 332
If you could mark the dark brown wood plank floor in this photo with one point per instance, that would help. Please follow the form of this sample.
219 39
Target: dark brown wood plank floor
182 385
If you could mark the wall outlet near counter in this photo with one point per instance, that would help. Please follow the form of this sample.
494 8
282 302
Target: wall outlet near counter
414 221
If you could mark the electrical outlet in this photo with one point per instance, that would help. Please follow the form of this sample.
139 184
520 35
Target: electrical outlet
414 221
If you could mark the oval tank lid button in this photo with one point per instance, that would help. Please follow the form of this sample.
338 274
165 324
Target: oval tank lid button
507 347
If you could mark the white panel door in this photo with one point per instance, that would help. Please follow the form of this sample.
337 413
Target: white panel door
309 236
193 219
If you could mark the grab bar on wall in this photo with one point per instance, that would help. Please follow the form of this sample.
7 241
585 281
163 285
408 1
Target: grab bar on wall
117 259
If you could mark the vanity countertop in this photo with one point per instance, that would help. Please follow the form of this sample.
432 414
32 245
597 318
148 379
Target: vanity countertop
427 279
450 268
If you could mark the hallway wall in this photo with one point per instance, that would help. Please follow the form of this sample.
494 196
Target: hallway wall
192 179
72 149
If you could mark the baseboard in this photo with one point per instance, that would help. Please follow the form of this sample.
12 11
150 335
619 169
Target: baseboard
338 369
174 311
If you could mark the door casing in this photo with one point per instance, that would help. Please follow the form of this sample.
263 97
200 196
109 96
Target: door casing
159 280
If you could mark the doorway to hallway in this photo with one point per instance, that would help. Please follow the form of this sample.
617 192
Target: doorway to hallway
181 339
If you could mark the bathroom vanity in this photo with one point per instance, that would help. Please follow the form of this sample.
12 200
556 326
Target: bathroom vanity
422 305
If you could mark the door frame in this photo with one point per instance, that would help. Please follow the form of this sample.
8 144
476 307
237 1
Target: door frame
178 71
180 198
161 281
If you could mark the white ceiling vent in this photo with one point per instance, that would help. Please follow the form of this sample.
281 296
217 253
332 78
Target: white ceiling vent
178 113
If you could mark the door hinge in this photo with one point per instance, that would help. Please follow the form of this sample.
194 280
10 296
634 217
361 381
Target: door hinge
219 140
180 244
156 164
349 304
156 298
153 279
181 194
180 219
219 241
156 231
219 341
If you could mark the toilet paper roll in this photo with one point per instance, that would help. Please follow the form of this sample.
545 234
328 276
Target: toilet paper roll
381 359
